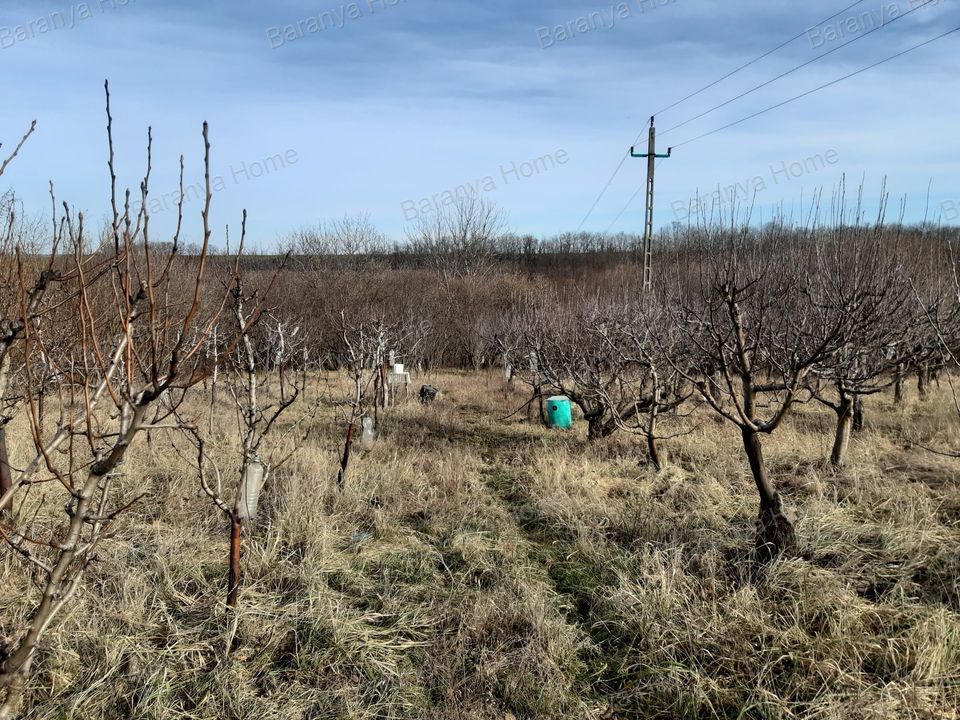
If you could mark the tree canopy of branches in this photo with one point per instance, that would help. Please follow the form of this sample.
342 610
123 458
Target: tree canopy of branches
137 349
756 318
461 239
864 292
605 358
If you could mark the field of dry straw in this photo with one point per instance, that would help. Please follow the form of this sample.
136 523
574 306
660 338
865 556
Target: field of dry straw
476 567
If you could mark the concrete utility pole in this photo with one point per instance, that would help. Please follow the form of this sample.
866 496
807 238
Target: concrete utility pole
651 156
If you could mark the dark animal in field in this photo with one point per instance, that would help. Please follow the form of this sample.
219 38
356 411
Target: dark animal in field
428 393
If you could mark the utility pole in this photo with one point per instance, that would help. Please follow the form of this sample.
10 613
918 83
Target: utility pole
651 156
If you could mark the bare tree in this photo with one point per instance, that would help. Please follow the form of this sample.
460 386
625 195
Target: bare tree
647 346
506 339
863 290
461 239
351 242
939 305
260 399
748 313
602 358
134 358
362 351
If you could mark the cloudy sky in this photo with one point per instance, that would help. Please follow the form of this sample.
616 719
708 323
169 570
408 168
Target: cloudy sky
323 108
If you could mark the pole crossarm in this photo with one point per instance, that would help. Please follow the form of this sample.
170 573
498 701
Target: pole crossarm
654 155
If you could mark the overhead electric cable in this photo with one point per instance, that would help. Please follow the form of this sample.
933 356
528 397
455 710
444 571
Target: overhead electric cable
798 67
782 45
803 95
820 87
755 60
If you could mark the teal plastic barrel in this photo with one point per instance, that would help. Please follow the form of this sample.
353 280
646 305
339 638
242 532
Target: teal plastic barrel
559 415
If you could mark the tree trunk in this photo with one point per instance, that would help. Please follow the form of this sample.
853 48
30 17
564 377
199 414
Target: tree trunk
236 534
6 478
653 451
841 440
538 399
859 420
597 427
898 385
775 533
594 430
384 386
652 447
345 460
922 376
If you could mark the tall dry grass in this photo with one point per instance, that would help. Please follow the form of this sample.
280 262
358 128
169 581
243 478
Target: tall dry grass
481 568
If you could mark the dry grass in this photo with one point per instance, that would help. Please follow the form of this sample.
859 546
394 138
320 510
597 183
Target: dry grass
476 568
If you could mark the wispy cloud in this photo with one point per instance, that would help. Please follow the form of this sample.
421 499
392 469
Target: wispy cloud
399 101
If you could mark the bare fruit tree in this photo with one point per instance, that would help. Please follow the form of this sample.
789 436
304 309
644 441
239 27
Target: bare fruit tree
362 351
263 395
939 309
747 314
601 359
137 351
646 346
864 292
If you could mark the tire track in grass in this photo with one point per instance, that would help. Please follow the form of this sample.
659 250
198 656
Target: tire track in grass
542 547
552 547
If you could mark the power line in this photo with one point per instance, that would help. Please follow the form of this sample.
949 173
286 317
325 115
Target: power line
629 203
782 45
756 59
603 191
798 67
801 96
821 87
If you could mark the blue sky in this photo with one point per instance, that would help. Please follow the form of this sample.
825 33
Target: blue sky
323 108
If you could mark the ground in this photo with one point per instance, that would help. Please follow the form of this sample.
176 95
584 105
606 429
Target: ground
482 567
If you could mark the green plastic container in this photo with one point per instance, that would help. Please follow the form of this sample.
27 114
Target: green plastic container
559 415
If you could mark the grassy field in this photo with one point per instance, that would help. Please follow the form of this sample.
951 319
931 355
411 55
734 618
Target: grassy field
482 568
